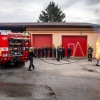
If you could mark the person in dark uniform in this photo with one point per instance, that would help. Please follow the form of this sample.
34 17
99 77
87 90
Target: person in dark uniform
42 52
68 52
63 52
46 51
35 50
90 51
39 51
54 52
31 56
50 51
58 53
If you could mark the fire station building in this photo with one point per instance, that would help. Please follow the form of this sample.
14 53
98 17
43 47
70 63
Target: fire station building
59 34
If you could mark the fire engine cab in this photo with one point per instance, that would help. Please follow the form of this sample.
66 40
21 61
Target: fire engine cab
14 47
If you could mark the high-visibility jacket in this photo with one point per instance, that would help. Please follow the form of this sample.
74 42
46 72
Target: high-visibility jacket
31 53
90 50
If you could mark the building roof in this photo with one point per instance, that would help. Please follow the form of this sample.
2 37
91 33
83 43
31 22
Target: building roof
48 24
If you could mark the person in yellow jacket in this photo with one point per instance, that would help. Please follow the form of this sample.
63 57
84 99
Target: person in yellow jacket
90 51
31 56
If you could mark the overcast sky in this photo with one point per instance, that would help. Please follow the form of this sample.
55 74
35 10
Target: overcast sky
29 10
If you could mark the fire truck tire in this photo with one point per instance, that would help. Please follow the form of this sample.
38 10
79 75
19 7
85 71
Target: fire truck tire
3 66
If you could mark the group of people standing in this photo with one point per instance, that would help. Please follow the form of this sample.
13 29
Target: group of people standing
43 52
57 53
51 52
61 52
54 52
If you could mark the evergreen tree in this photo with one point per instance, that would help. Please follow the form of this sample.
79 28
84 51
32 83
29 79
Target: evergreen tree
51 14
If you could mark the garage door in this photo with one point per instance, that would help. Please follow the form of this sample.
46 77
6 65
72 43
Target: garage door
72 41
42 40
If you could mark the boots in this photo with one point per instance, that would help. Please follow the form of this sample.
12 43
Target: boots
97 64
33 66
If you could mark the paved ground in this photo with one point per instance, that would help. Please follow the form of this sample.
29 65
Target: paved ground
69 79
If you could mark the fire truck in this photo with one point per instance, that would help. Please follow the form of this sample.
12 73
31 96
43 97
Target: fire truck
14 48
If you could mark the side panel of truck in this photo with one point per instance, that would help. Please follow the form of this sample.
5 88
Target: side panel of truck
14 48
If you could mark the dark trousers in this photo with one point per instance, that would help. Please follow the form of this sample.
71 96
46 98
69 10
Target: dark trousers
46 54
39 54
54 54
35 52
58 58
61 55
68 55
50 53
90 57
42 54
31 63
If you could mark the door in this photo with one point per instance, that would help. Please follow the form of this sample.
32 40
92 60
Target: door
42 40
71 41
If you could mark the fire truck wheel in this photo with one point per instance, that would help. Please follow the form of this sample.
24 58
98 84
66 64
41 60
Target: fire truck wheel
3 66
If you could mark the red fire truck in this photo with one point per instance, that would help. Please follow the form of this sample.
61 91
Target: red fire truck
14 48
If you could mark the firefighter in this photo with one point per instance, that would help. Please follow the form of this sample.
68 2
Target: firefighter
58 53
63 52
42 51
46 51
90 51
50 51
31 56
39 51
54 52
68 51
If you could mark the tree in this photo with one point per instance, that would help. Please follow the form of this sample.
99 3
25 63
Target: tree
51 14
